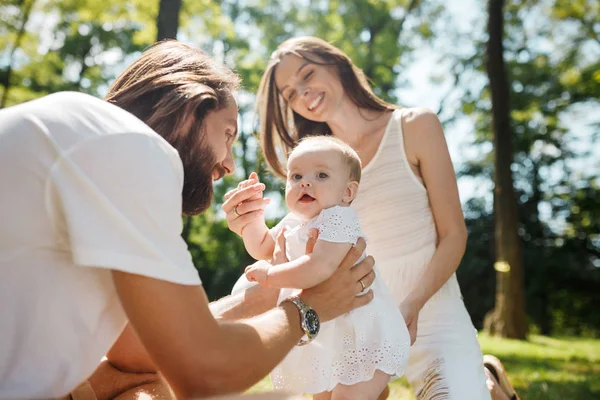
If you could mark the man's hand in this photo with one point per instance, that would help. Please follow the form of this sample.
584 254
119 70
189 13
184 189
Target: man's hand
257 272
313 235
338 294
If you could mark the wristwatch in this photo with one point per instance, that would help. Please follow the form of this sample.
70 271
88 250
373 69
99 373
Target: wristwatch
309 320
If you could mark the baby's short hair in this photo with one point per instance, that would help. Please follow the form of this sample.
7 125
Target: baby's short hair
348 154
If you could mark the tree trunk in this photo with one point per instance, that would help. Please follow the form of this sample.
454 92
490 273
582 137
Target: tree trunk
508 317
26 7
167 22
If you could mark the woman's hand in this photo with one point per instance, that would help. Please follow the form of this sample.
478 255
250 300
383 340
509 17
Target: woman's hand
410 312
245 204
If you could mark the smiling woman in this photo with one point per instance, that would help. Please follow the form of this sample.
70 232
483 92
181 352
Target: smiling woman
322 69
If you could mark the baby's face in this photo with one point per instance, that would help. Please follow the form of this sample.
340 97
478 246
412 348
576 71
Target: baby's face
317 179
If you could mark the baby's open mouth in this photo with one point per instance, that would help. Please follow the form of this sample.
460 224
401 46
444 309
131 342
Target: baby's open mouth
306 198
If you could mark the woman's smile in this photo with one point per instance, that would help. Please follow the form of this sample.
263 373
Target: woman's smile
316 102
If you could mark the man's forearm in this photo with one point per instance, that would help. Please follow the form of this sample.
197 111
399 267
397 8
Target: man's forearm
129 355
253 348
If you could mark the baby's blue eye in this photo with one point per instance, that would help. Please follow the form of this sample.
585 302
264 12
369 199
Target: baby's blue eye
296 177
323 175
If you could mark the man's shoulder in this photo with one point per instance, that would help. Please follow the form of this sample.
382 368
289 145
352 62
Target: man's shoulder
96 120
72 97
100 111
83 110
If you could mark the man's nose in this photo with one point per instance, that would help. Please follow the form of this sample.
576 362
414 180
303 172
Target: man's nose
229 164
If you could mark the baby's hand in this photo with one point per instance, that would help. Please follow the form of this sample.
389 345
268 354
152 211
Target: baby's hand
257 272
245 205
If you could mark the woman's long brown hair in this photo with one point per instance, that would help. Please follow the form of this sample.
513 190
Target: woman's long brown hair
281 127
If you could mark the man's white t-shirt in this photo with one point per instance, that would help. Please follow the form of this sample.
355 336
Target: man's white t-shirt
85 188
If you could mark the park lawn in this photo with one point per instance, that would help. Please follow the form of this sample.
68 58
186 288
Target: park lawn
540 368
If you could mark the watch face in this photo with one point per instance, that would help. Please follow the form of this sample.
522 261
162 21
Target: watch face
311 321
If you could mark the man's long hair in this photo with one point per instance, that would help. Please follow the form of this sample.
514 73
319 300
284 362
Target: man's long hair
172 87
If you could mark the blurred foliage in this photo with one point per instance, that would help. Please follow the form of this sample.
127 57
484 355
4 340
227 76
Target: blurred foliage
547 47
551 50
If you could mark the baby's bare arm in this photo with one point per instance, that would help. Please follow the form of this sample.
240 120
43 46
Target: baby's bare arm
308 270
258 241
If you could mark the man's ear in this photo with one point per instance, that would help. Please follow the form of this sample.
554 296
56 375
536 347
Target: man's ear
350 192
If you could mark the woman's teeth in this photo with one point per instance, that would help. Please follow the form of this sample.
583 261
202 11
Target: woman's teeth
315 102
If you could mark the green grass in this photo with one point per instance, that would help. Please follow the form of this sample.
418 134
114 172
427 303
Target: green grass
545 368
549 368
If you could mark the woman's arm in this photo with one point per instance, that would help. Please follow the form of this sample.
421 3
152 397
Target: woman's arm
427 150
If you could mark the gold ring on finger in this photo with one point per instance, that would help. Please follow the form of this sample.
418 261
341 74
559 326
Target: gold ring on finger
236 211
362 284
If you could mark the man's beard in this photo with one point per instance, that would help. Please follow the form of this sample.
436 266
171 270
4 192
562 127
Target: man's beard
198 169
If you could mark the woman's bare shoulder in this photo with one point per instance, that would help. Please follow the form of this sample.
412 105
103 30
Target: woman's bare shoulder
423 132
417 119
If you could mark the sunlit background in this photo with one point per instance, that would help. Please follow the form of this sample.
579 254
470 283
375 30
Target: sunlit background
429 53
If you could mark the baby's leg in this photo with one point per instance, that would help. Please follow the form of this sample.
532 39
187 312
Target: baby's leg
369 390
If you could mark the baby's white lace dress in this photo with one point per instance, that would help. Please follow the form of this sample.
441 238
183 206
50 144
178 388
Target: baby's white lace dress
352 347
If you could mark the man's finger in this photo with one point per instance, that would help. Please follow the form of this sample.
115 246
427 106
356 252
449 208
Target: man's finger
249 206
363 269
241 195
368 279
354 254
313 235
361 245
244 219
365 299
229 194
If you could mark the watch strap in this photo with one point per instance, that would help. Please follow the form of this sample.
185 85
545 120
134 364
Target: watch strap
302 308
